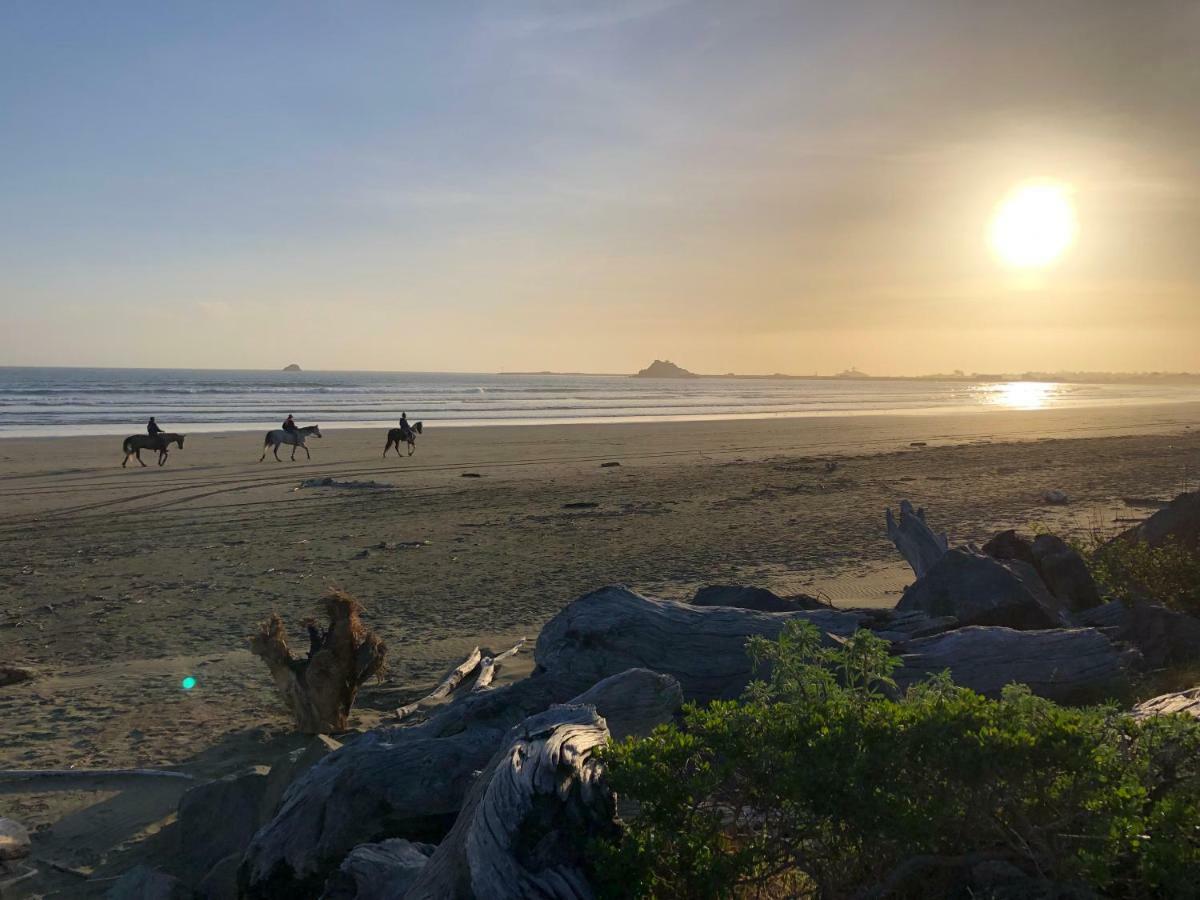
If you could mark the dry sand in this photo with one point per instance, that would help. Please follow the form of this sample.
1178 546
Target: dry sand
116 583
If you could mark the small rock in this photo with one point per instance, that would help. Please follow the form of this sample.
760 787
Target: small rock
583 504
609 465
15 674
14 840
362 554
471 475
1056 497
918 444
831 466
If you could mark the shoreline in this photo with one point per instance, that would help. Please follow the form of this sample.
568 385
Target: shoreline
1132 412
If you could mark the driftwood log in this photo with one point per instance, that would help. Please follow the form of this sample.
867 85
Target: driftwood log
319 690
978 589
1065 664
381 871
447 685
916 541
409 782
489 665
368 791
704 648
1164 637
1178 523
1179 703
524 829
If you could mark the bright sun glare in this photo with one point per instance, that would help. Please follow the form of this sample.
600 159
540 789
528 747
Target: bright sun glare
1023 394
1034 225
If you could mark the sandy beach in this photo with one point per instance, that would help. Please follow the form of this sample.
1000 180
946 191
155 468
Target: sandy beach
117 583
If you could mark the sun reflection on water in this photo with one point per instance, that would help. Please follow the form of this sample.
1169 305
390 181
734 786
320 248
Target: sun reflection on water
1023 394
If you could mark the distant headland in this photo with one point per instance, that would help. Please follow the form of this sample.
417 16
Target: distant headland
663 368
292 368
666 369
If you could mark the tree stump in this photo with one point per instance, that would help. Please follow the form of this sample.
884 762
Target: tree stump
319 690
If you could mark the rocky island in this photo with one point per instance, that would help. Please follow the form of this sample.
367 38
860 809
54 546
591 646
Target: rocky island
662 368
292 368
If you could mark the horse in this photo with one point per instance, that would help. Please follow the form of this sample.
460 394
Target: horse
136 443
296 438
396 435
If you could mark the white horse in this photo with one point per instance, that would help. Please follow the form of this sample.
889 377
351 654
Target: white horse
296 438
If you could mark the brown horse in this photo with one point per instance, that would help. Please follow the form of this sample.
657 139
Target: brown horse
136 443
396 436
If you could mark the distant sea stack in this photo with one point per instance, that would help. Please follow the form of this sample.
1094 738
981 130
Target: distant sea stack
292 368
663 368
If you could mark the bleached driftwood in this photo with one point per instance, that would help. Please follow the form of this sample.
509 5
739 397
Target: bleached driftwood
448 684
524 828
410 782
704 648
487 668
319 690
1062 664
915 540
1178 703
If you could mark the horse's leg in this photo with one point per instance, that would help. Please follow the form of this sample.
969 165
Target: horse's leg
138 451
306 453
386 448
412 448
275 450
125 460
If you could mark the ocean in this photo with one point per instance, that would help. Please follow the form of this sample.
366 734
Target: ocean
50 401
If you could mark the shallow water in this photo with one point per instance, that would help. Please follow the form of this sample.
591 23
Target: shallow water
47 401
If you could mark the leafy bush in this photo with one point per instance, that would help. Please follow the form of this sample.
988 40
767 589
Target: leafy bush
823 782
1169 574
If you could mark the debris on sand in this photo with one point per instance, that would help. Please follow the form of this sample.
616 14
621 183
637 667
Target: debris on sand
351 485
1056 497
471 475
15 674
583 504
609 465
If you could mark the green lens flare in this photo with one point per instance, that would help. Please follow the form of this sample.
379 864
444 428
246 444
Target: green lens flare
188 683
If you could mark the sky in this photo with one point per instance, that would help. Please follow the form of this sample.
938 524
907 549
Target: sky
753 187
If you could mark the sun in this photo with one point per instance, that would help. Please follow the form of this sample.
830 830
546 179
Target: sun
1034 225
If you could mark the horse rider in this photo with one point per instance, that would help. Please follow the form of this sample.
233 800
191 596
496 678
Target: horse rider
406 431
289 424
152 428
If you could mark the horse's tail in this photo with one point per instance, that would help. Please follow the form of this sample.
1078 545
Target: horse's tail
127 446
267 439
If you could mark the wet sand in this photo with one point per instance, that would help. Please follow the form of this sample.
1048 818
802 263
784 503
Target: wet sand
116 583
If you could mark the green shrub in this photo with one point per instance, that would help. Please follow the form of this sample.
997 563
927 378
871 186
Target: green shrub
823 783
1169 574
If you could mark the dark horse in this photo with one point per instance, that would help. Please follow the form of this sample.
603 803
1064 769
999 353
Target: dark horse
136 443
396 436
